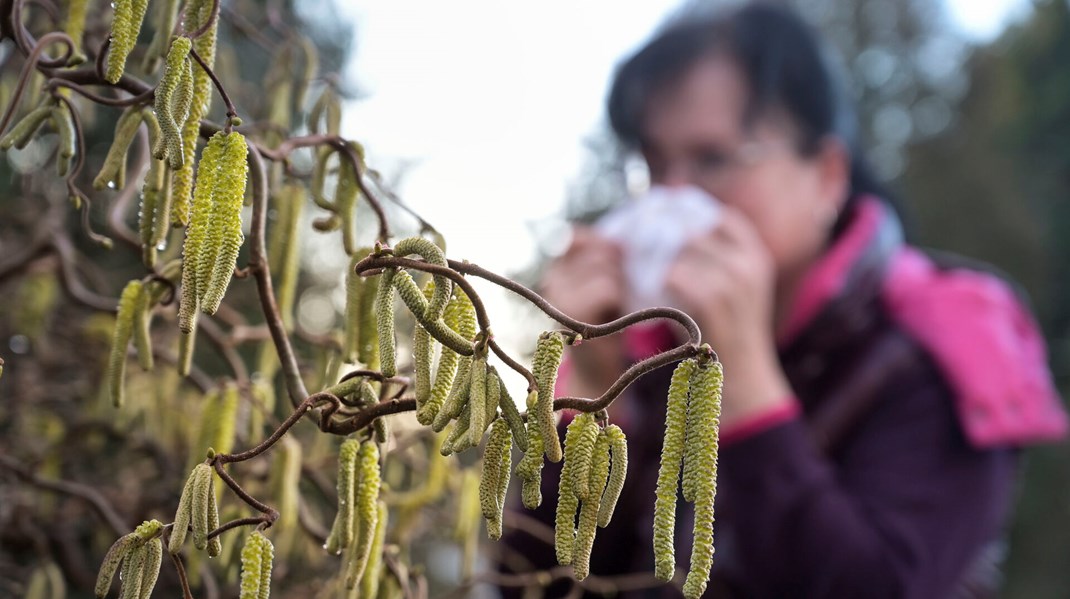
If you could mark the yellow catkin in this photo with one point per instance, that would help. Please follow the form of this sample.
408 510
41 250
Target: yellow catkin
367 512
183 515
477 399
469 508
180 107
669 471
150 570
577 453
267 558
457 440
22 132
142 328
618 451
494 396
548 353
588 520
215 546
459 316
203 494
112 560
422 347
565 524
124 326
345 199
458 396
125 28
529 469
414 300
217 423
225 237
368 338
432 254
354 312
74 26
491 500
581 469
253 554
166 17
384 318
505 463
151 229
64 124
319 179
369 583
169 145
286 236
705 388
342 531
125 129
132 573
510 413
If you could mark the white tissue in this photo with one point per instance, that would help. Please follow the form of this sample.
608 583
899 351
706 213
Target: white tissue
651 230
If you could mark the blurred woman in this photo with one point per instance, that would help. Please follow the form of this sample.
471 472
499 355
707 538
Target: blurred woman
875 400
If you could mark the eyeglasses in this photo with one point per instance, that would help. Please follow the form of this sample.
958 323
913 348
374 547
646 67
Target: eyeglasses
711 168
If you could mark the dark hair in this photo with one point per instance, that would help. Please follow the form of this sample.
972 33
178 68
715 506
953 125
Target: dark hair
785 69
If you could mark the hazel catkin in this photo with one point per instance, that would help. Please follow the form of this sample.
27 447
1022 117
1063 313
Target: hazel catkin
129 303
384 318
669 471
548 354
342 531
618 452
588 518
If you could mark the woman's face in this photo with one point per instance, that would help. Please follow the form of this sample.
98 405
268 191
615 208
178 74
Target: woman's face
694 133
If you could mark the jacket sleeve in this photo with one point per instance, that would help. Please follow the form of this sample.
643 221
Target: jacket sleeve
900 511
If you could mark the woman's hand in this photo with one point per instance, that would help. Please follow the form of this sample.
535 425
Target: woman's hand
587 283
726 281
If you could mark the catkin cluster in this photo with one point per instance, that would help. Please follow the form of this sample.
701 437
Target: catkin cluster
174 96
197 508
596 462
133 320
257 556
494 483
354 528
59 113
690 442
214 235
139 554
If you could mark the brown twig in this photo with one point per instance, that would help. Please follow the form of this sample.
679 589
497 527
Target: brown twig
231 111
27 71
258 264
176 559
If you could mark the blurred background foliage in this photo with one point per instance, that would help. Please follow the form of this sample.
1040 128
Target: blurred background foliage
974 140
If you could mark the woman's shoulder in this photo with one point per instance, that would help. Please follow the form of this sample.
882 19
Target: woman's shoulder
985 343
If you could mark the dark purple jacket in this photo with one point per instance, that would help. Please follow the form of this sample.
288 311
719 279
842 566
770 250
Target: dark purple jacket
895 476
